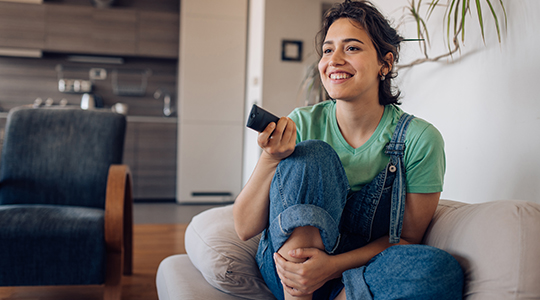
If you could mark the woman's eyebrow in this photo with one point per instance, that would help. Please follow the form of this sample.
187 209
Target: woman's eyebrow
348 40
352 40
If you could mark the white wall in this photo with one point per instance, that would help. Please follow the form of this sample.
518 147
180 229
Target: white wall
485 104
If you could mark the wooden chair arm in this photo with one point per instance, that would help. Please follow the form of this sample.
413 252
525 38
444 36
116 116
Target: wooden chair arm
119 215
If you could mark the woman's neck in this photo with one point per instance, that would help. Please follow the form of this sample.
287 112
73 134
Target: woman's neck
358 121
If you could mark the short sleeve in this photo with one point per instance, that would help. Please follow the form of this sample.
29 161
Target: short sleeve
424 158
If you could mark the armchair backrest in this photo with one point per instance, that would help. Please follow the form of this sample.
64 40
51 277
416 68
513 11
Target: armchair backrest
59 155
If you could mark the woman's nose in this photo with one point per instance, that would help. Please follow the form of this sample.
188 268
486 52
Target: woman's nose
336 59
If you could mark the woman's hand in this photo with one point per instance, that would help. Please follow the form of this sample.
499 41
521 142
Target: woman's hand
301 279
278 140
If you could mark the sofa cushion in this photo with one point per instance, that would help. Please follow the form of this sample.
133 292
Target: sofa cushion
496 243
225 261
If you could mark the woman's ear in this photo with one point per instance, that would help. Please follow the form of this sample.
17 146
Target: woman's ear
389 62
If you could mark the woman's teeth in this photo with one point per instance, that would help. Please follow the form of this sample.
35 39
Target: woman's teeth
340 76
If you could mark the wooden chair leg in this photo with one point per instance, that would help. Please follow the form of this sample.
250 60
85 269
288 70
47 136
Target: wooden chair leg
128 229
113 277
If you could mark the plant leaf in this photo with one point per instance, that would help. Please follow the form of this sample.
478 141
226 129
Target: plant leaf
449 19
496 20
481 20
463 15
432 6
504 12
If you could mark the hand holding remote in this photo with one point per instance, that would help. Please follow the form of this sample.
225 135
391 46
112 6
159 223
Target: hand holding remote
277 141
259 118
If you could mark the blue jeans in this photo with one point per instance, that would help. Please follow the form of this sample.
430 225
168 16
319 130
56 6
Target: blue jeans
310 188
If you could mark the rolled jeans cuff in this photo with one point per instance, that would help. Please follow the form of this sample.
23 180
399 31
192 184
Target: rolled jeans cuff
300 215
356 287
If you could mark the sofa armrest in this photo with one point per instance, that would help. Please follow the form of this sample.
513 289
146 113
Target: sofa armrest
496 244
177 278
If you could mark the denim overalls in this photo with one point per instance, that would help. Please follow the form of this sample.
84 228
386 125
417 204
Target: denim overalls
310 188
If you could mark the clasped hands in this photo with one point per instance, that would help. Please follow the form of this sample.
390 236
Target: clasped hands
304 278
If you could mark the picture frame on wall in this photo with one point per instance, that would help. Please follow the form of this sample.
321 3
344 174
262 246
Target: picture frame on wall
291 50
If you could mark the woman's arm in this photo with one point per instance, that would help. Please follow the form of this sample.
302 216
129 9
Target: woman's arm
319 267
250 208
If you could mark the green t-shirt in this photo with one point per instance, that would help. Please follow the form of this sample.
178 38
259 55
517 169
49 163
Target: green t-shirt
424 147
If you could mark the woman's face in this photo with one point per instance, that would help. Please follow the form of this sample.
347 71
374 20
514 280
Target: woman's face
349 66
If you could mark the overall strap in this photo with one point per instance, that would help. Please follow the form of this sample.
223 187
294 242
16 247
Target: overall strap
396 148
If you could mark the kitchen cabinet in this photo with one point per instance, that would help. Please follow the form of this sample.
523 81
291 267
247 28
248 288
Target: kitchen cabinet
89 30
80 29
22 25
150 151
157 34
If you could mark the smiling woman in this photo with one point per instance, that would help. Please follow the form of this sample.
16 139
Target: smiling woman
344 181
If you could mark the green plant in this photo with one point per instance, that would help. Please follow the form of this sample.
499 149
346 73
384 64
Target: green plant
454 18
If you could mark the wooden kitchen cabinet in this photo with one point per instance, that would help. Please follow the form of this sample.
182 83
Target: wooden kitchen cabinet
150 151
80 29
91 30
158 34
22 25
115 30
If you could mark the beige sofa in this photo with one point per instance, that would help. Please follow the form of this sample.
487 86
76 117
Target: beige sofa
497 244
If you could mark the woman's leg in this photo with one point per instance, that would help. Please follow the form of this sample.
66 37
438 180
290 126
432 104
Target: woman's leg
407 272
309 190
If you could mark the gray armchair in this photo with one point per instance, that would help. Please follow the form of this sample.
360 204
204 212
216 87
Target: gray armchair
65 200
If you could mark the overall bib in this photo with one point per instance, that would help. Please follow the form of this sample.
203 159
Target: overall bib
310 188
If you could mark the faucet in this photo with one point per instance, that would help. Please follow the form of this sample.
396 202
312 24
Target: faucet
167 103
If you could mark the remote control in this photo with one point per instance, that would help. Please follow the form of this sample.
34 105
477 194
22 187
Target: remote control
259 118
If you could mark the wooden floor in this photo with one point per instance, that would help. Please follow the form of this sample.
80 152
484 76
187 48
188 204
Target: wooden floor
152 243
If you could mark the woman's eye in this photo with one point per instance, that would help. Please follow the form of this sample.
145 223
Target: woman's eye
352 48
325 51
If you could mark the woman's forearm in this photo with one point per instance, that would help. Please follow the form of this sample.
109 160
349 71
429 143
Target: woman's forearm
251 206
361 256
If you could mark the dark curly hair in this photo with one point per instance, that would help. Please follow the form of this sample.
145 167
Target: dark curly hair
384 37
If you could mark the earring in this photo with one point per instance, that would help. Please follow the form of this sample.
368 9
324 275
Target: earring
383 76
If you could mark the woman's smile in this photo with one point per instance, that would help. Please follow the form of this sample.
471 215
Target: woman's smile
340 75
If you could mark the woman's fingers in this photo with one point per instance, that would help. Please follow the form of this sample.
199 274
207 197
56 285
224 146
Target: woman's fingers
289 135
264 136
290 280
277 139
278 132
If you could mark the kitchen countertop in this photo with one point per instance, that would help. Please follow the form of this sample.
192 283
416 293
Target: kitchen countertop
138 119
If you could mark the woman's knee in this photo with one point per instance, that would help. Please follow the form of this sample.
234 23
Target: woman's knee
302 237
314 152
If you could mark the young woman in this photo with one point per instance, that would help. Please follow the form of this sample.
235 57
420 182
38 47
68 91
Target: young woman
345 190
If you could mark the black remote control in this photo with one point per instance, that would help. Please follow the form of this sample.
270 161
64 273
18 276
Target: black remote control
259 118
